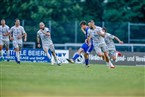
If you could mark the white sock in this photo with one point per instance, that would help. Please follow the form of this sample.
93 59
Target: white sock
116 56
18 56
56 59
110 63
8 54
1 53
48 55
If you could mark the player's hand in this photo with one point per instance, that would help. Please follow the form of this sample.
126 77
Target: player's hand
121 42
25 39
4 35
19 37
86 41
11 38
39 45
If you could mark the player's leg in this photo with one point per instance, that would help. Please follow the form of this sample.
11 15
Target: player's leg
1 52
108 61
17 55
86 55
117 54
46 48
77 54
6 43
46 51
52 49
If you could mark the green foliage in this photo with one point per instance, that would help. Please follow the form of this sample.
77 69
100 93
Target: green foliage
63 13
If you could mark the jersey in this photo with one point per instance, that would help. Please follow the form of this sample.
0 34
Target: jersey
4 30
109 41
44 38
1 34
94 33
17 31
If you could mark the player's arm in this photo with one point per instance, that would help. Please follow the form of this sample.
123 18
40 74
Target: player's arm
11 34
47 33
89 38
101 32
25 36
7 33
38 40
83 30
115 37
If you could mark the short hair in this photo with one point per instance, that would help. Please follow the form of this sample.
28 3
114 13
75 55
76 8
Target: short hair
2 19
92 21
104 29
17 19
42 23
83 22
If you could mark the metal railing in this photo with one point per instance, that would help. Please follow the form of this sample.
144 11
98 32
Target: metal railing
27 44
120 47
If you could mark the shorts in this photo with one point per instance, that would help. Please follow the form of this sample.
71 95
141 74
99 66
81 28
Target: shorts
4 43
17 45
100 48
48 46
112 53
86 48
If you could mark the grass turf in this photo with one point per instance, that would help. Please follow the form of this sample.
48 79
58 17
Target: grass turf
43 79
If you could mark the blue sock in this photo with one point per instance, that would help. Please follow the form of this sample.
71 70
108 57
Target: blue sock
75 56
86 61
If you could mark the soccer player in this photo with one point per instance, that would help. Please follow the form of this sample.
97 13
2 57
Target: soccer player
17 33
110 44
96 33
45 36
4 39
85 47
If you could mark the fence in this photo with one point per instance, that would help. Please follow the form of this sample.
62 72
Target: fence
70 32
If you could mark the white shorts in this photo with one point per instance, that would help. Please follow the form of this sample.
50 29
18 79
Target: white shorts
101 48
112 53
17 45
4 43
49 46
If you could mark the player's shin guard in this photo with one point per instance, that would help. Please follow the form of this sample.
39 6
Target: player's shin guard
48 55
18 56
8 53
1 53
75 56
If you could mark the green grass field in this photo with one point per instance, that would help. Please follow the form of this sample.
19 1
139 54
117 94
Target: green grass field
45 80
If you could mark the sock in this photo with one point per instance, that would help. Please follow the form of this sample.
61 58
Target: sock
8 54
48 55
52 60
18 56
86 61
55 58
110 63
1 53
75 56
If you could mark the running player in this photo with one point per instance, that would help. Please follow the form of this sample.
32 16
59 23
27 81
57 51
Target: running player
96 33
45 36
17 33
110 44
4 39
85 47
